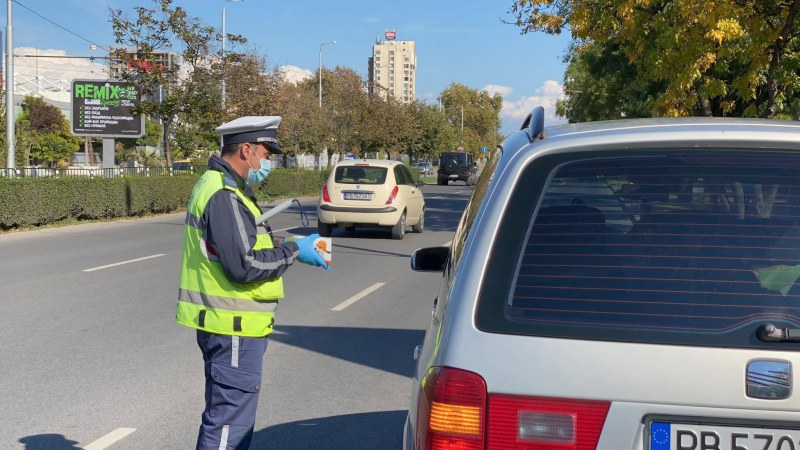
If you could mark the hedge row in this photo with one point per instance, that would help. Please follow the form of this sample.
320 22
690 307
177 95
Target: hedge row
26 202
284 183
39 201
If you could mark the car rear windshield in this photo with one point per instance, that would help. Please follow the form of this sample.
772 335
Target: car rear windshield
686 248
453 158
360 175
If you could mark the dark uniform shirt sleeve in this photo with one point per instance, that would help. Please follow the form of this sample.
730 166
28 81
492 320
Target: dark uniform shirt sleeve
231 232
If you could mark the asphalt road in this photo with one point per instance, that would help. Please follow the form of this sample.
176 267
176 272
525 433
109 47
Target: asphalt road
92 357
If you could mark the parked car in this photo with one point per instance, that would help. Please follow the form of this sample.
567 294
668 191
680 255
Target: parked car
456 166
424 167
620 285
371 193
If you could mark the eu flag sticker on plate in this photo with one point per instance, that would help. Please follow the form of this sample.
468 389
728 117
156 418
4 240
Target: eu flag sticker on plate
659 436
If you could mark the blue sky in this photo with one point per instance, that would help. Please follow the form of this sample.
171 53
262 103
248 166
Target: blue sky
463 41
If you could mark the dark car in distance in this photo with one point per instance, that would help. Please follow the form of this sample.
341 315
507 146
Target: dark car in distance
456 166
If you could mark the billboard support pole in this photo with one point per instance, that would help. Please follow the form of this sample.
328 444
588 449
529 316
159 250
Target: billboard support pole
108 157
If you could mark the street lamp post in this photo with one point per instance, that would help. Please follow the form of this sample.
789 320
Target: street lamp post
320 70
224 36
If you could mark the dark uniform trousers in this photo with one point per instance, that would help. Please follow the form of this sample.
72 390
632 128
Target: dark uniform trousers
233 380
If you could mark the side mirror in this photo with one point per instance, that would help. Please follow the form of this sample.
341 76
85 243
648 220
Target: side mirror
429 259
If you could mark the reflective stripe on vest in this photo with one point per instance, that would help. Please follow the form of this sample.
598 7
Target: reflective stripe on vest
207 299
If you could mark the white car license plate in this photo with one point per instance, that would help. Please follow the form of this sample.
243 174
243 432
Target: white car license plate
358 195
681 436
453 176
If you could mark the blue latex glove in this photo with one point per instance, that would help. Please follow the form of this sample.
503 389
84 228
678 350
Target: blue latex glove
308 254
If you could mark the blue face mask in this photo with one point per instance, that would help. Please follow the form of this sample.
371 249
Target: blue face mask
257 176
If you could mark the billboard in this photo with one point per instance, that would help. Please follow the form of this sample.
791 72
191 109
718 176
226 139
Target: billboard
105 109
389 35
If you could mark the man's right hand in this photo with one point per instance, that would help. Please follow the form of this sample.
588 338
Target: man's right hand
308 254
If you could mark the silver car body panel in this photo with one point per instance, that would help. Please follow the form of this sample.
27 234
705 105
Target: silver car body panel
679 380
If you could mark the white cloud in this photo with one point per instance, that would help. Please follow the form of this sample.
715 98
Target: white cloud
295 74
546 95
497 89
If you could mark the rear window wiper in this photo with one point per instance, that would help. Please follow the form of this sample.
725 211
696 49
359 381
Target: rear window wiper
770 333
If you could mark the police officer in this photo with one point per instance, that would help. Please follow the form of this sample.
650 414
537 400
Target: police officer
230 280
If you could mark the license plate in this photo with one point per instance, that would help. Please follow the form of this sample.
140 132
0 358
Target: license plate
681 436
453 176
358 195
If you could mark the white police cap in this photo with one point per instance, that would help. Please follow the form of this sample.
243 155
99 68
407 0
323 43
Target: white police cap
261 129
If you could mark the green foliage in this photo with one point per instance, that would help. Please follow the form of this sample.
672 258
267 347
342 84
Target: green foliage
28 202
167 89
480 113
703 57
601 84
43 134
283 183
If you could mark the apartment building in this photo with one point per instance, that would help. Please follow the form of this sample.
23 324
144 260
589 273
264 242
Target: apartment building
119 63
393 68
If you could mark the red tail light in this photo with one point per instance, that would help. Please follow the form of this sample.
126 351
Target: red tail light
530 423
451 410
392 196
325 196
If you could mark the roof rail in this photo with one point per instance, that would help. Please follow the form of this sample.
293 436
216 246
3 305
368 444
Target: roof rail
534 124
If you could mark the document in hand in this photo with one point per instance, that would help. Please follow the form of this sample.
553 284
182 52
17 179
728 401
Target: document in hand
323 246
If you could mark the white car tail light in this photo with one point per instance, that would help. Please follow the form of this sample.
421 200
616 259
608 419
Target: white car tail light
545 423
393 195
451 410
325 196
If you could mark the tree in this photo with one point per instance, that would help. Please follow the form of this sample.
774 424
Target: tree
345 101
601 84
479 111
167 88
251 88
136 148
436 133
714 57
304 128
43 133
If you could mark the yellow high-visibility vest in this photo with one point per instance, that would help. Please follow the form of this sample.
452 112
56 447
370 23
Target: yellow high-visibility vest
207 299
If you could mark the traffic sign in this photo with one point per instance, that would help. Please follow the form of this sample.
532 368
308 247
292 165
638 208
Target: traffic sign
105 109
483 149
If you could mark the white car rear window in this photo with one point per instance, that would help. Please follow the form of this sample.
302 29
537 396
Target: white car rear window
360 175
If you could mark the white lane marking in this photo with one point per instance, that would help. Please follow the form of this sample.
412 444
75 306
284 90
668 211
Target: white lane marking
357 297
123 262
109 439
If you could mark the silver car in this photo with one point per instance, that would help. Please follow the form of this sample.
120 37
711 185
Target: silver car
626 285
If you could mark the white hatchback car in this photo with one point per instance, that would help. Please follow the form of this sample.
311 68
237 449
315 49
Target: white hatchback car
623 285
371 193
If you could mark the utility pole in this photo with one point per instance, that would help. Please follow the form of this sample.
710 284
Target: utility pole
9 91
